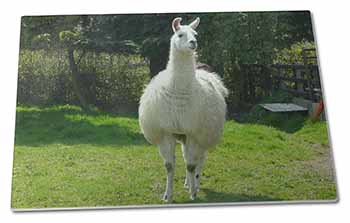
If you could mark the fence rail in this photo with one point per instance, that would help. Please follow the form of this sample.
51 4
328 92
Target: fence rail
299 79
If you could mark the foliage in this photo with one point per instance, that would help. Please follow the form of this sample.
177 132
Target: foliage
75 33
293 55
241 37
235 43
228 42
247 84
114 81
120 82
66 158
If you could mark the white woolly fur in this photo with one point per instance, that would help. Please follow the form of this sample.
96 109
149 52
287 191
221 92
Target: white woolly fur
186 104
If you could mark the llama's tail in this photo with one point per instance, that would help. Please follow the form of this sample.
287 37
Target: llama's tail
221 87
214 80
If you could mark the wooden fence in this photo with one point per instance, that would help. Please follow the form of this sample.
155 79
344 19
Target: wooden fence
300 80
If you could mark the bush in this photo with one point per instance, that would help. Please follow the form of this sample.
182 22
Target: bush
293 55
111 82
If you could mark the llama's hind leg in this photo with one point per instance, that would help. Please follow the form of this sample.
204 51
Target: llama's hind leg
167 151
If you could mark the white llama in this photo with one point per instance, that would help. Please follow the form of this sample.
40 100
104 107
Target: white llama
183 104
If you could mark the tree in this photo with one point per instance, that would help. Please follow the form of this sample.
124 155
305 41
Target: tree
156 33
78 35
226 41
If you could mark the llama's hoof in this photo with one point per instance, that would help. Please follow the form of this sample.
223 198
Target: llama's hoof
193 196
167 198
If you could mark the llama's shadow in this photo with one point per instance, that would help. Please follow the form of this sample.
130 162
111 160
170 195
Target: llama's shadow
211 196
70 127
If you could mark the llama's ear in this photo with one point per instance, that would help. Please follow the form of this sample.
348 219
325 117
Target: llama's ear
176 24
195 23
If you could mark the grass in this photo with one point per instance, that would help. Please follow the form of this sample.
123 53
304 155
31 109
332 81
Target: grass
65 158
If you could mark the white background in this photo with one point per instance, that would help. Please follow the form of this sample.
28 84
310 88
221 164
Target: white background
332 24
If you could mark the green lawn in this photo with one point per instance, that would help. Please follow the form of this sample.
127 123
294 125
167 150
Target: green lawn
65 158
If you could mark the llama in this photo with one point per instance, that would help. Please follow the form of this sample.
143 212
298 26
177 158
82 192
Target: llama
183 104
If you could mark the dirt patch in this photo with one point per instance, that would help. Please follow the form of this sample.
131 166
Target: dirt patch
323 161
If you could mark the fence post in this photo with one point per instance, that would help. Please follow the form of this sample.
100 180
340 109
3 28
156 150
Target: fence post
299 82
282 85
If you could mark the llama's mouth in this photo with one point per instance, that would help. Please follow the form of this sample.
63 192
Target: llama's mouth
192 47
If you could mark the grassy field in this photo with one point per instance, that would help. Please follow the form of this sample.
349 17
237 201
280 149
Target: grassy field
65 158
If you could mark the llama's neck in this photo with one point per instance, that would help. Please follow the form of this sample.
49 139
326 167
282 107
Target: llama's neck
182 68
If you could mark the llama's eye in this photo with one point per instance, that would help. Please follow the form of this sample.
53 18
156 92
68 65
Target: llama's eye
180 35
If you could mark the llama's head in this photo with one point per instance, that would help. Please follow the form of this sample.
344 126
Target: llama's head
184 38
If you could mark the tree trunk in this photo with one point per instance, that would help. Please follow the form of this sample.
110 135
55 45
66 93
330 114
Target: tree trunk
157 64
158 61
75 80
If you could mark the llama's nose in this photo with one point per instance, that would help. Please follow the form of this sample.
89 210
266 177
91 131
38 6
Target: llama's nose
193 44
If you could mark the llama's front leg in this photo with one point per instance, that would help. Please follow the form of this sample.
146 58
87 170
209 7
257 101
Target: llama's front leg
199 169
191 154
198 173
167 151
190 172
186 184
